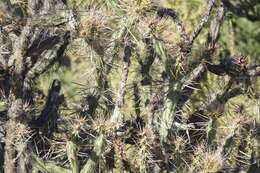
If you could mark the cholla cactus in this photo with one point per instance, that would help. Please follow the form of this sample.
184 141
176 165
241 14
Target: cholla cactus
137 86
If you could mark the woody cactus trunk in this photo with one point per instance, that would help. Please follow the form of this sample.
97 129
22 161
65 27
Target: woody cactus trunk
141 109
30 50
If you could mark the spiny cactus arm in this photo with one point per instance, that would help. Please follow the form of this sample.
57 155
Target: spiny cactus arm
137 99
107 56
46 166
193 79
3 61
43 63
189 83
213 36
217 95
40 44
185 86
14 112
117 115
20 46
168 65
167 119
255 154
149 59
221 97
217 98
170 104
101 78
214 33
117 38
203 21
48 16
215 25
215 104
170 12
91 164
48 20
244 131
16 64
72 156
168 116
104 58
48 58
193 76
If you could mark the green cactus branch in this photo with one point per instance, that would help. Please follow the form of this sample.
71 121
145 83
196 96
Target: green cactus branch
112 50
72 156
191 81
103 59
46 166
48 58
48 20
89 167
91 164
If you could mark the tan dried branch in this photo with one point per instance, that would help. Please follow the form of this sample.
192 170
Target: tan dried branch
117 115
18 58
203 21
